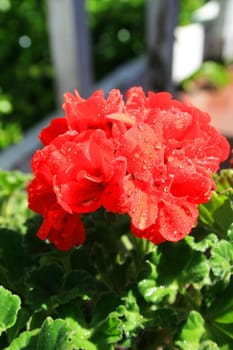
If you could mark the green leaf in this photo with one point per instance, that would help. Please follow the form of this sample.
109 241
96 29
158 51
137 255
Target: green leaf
106 304
129 313
207 242
165 280
224 180
44 285
217 213
13 195
229 236
26 341
166 318
220 315
155 294
191 333
108 332
208 345
196 270
226 317
59 334
22 318
9 307
221 308
12 255
226 329
221 259
78 283
186 266
219 334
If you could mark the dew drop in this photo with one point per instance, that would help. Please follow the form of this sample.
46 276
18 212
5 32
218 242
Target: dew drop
141 127
158 146
129 193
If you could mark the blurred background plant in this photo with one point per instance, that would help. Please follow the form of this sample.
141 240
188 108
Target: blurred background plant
117 30
26 84
12 196
187 9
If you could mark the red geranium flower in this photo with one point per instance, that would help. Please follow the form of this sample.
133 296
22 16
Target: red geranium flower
151 157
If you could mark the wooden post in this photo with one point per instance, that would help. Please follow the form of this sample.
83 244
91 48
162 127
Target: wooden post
70 46
227 32
161 20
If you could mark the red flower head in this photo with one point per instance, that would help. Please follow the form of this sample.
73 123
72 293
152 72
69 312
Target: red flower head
151 157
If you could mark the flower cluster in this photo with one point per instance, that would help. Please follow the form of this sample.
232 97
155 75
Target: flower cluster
151 157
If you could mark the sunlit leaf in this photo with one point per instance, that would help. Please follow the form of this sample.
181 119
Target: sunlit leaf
207 242
130 314
9 307
217 214
191 333
58 334
108 332
229 236
209 345
26 341
154 293
221 260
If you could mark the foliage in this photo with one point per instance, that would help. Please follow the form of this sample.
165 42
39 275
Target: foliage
117 291
9 132
211 75
187 9
13 202
25 62
117 31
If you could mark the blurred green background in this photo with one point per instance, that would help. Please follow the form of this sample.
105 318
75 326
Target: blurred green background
26 81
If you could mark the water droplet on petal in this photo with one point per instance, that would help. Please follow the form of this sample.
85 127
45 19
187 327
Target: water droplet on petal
140 126
129 193
158 146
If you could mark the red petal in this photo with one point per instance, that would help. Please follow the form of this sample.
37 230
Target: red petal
193 182
113 191
161 100
62 229
176 219
84 114
136 103
143 150
101 152
40 196
151 233
57 127
82 196
140 203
